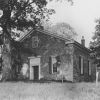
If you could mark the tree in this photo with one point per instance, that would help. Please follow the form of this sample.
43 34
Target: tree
95 48
63 0
95 44
18 15
62 29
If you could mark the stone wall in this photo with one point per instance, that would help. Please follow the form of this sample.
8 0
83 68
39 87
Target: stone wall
50 46
77 76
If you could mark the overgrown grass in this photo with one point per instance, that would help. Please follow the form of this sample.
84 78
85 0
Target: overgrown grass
49 91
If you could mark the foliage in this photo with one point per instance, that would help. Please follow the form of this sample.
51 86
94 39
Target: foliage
62 29
19 15
95 44
22 14
63 0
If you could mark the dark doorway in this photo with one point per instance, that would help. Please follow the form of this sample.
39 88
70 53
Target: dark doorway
36 72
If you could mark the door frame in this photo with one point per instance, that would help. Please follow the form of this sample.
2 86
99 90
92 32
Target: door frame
34 64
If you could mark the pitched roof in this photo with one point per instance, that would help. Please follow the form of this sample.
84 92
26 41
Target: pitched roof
44 32
66 39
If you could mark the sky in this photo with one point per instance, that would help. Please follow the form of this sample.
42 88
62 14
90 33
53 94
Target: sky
81 16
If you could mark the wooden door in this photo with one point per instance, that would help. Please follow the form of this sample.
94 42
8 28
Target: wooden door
36 72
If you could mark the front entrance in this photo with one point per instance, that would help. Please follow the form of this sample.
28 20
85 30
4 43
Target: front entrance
36 72
34 69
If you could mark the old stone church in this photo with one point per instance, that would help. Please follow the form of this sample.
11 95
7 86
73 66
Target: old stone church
51 56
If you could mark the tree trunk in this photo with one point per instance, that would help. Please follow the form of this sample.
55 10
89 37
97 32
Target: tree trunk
6 52
6 57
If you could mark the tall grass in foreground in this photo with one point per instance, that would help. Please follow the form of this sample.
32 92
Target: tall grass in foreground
49 91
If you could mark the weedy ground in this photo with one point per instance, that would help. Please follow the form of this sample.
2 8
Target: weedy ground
49 91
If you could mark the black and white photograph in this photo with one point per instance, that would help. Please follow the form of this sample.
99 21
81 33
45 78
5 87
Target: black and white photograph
49 49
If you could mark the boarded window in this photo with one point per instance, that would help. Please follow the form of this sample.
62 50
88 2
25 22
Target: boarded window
89 67
35 41
81 64
54 64
54 67
50 65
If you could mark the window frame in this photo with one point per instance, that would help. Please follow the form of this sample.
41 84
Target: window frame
89 68
54 68
81 65
52 65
